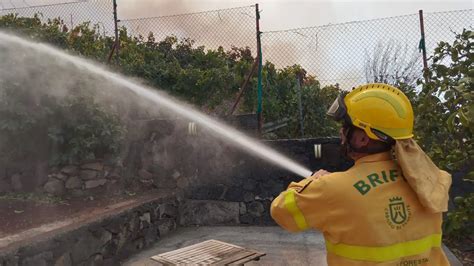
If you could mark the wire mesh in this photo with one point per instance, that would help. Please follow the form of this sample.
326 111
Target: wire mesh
344 53
347 54
443 26
72 13
224 27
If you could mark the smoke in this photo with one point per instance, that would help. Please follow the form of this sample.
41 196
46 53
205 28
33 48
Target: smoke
151 8
225 27
159 140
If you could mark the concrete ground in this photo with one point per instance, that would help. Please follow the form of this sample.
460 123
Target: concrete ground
281 247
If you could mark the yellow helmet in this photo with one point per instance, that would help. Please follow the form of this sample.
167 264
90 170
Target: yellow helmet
381 110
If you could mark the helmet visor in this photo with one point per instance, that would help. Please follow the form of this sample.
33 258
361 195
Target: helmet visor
338 109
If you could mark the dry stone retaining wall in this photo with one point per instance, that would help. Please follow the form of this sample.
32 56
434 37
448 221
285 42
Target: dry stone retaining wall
243 196
99 241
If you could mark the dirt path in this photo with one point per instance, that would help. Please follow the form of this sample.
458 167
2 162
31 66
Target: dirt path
20 215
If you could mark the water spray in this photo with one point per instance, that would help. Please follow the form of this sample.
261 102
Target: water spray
218 128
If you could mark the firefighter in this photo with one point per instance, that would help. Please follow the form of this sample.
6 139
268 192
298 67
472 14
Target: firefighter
387 208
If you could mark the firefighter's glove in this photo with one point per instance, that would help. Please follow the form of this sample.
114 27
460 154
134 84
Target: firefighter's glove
319 173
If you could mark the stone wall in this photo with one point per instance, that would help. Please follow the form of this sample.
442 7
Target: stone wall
171 154
243 196
101 240
214 176
216 184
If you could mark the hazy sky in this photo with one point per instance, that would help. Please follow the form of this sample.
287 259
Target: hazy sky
334 53
276 14
286 14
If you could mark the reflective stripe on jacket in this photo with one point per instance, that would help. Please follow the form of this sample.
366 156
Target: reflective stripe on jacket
369 215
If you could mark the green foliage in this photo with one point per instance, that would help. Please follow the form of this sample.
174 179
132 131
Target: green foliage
78 128
459 222
21 113
445 123
87 131
206 78
42 198
282 88
445 118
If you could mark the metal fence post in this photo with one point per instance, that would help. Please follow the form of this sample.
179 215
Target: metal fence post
422 46
117 40
259 85
300 104
243 88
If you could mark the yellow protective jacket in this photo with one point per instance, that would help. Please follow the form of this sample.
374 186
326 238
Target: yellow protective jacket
369 215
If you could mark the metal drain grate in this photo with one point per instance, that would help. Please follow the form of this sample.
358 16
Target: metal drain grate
208 252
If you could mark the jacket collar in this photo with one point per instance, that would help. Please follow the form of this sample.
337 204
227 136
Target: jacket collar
383 156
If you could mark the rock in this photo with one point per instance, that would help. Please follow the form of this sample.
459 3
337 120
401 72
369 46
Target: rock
59 176
176 175
62 177
16 182
64 260
10 260
182 182
247 219
234 193
256 209
4 186
249 196
168 210
77 192
115 174
151 234
166 225
145 220
86 246
110 250
95 260
136 245
165 182
144 174
95 183
70 170
93 166
105 237
123 236
74 182
88 174
113 187
39 259
210 192
133 224
55 187
107 170
242 208
204 212
250 185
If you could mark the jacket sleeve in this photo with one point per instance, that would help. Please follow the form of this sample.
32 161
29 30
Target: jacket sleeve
303 205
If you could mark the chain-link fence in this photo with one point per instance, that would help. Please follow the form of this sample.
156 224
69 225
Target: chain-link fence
224 27
347 54
72 13
356 52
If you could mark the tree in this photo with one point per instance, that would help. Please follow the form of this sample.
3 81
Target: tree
445 120
394 64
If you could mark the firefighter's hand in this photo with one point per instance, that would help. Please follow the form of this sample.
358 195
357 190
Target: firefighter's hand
319 173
